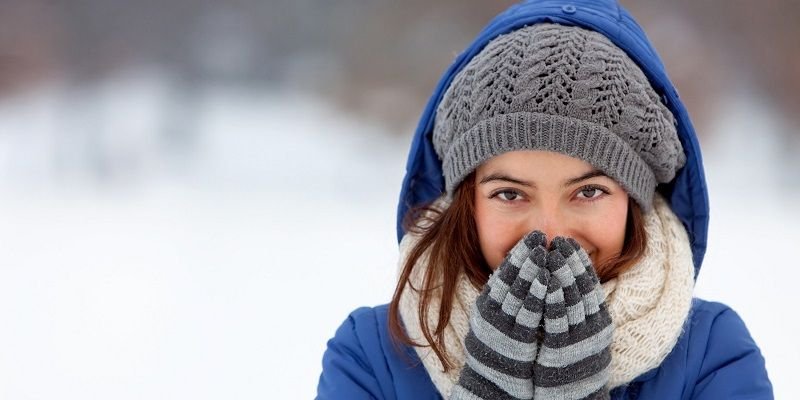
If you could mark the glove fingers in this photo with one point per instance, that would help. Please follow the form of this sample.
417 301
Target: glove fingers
530 315
574 302
501 351
557 263
585 260
498 310
519 290
574 355
555 312
522 249
501 281
535 239
587 281
572 255
500 332
565 246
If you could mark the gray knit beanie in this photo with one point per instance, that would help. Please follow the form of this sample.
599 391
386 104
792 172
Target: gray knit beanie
562 89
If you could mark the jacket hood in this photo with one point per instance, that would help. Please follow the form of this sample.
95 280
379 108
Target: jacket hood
687 193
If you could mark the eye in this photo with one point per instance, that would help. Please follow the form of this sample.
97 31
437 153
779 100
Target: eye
507 195
591 192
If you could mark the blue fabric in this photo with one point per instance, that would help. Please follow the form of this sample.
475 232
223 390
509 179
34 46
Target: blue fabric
687 194
714 359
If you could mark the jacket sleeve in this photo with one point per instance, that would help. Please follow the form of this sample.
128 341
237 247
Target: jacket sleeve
732 366
346 373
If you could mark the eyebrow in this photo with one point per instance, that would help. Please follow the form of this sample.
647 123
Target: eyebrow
591 174
505 178
499 176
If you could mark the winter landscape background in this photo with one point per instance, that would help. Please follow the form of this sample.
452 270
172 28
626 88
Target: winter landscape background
195 222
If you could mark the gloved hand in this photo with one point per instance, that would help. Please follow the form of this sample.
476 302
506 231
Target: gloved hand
574 354
502 341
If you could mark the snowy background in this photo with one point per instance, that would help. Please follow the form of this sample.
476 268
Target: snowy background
224 280
194 195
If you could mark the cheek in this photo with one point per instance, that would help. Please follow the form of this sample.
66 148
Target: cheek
497 234
607 234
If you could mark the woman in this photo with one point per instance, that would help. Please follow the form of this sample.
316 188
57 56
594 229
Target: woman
559 220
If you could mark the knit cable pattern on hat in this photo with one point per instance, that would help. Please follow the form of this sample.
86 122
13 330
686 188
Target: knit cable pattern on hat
564 89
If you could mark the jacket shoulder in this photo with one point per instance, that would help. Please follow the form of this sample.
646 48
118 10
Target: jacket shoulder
714 358
362 362
723 358
346 369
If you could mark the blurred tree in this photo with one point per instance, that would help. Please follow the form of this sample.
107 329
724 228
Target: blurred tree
378 58
28 53
715 45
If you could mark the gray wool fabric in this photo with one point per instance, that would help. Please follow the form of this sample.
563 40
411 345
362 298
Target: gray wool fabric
574 355
563 89
539 329
502 343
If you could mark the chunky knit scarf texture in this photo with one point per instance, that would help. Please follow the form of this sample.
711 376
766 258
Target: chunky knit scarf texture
648 304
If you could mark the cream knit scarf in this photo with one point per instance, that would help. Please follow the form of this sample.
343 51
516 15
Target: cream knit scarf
648 304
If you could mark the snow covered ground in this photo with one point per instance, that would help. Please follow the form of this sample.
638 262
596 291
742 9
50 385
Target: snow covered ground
222 275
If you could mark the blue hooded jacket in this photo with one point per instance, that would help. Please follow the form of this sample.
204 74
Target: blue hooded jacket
715 357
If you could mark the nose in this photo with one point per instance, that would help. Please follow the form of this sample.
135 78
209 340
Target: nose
550 221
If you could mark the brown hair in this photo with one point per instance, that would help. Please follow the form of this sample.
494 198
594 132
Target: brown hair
450 239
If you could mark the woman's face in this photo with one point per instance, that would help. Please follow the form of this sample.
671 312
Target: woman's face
521 191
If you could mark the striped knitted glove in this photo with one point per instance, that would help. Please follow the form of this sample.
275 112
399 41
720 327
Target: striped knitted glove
502 340
574 354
